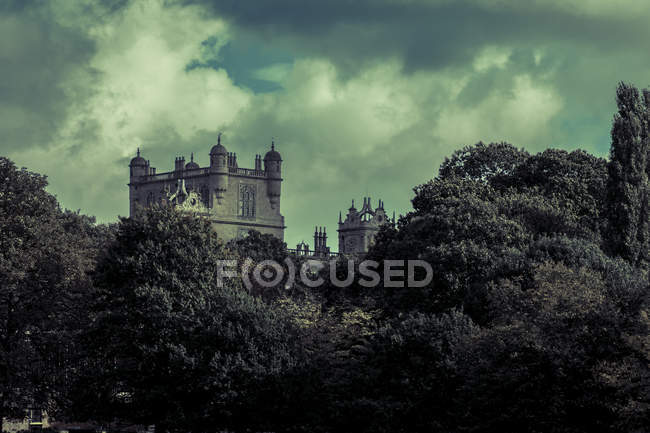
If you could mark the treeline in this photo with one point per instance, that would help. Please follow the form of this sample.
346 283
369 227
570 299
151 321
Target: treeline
536 319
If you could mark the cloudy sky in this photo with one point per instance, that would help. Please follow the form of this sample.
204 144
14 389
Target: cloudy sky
364 97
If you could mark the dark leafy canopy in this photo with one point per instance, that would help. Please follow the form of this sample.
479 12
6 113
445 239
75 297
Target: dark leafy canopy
256 248
483 162
517 242
45 255
480 219
170 344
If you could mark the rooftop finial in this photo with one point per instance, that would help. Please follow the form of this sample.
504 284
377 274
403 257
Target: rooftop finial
138 151
272 143
192 157
219 138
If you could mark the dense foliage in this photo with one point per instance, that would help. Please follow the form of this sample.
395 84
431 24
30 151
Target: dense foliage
174 341
45 257
535 320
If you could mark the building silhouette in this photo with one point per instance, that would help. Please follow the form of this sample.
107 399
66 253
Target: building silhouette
357 232
235 199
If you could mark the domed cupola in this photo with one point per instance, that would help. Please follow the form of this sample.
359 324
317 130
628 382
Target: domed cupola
218 149
138 161
272 155
192 165
138 166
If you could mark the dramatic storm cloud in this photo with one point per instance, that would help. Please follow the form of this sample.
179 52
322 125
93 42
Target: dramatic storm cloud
364 97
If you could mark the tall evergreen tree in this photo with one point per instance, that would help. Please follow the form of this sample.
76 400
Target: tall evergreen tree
628 189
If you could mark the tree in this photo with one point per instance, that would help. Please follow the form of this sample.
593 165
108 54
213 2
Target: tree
173 341
490 163
257 248
561 354
45 258
575 180
628 186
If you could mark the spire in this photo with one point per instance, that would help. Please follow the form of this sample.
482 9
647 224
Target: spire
272 143
138 151
192 157
219 138
340 218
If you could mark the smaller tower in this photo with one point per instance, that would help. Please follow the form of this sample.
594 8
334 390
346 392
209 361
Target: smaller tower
357 231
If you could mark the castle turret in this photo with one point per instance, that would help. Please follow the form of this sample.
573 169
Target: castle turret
218 172
138 168
273 169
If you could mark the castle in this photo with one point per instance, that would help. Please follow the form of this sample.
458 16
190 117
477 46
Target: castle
235 199
241 199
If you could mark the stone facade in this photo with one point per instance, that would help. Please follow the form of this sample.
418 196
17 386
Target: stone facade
357 232
235 199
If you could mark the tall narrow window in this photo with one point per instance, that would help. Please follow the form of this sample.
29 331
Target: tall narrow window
246 200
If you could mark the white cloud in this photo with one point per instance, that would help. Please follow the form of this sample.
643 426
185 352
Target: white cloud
520 116
140 60
143 58
381 131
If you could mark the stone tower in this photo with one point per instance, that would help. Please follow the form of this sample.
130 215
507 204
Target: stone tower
357 231
235 199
